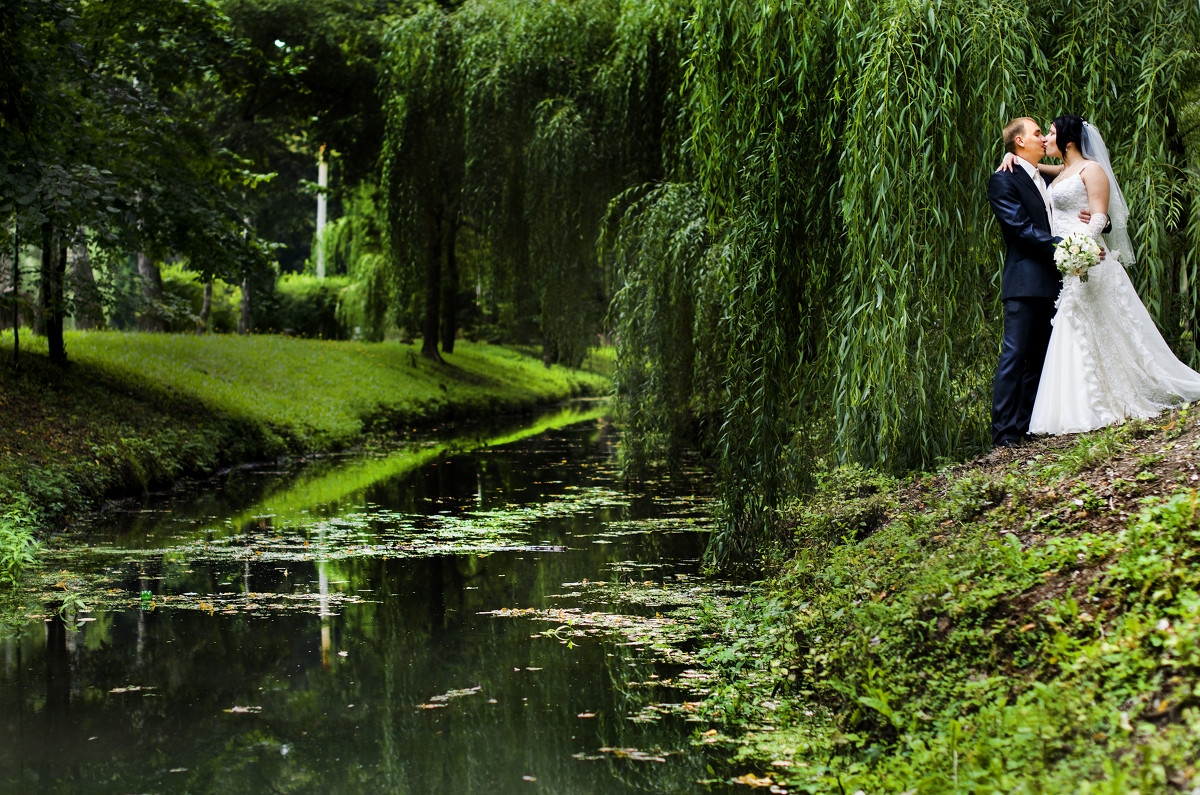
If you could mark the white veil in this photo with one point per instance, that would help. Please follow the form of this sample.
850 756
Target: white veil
1117 241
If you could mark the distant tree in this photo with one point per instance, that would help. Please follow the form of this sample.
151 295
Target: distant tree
424 162
102 137
53 116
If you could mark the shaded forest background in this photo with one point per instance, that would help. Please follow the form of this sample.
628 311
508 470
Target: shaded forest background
774 209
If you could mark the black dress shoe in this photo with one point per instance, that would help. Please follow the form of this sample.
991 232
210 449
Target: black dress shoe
1009 443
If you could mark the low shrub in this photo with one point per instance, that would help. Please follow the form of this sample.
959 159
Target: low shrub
184 299
17 545
304 306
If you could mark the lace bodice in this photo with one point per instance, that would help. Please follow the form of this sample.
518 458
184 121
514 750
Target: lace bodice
1067 198
1106 360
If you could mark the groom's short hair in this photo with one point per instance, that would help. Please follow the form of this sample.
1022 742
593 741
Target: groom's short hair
1014 128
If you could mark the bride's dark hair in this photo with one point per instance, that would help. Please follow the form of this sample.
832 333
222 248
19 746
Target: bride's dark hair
1069 130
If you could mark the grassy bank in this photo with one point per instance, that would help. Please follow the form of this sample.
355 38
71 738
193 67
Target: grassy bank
1023 623
135 411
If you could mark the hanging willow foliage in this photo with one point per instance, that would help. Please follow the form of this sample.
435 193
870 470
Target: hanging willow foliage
841 153
518 120
354 245
804 260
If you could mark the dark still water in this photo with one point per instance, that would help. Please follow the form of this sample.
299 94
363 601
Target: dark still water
414 620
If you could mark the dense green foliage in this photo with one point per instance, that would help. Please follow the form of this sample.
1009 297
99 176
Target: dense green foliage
305 306
183 301
105 129
845 304
17 545
1013 629
153 131
511 125
354 246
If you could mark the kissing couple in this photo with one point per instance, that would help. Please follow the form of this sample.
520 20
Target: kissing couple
1079 350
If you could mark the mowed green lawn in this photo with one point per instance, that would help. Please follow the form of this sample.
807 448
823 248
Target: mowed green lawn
323 392
133 410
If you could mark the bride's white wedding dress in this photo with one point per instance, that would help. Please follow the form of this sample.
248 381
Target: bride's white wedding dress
1106 361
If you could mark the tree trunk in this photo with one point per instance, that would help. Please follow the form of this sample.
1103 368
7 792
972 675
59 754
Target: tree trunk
433 299
50 294
205 308
39 306
88 312
16 298
150 318
245 321
450 289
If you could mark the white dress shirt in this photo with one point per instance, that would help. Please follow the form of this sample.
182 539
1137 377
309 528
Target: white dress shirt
1032 171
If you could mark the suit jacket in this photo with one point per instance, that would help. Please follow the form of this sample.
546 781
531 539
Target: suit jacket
1029 270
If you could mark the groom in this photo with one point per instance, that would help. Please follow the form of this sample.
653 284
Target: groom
1030 283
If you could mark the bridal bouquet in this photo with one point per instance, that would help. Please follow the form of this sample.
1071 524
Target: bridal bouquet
1076 253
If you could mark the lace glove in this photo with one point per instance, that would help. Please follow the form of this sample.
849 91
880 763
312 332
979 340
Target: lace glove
1096 226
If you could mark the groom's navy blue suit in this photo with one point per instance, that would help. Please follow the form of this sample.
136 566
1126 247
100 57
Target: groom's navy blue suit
1029 287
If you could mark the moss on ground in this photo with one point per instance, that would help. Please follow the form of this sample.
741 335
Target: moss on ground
1024 622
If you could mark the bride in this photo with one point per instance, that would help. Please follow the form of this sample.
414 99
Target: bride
1106 361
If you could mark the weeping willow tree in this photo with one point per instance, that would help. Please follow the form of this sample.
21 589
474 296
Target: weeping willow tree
423 164
838 154
516 123
354 245
789 199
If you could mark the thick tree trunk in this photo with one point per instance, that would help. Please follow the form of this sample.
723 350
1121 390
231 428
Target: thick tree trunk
88 312
206 307
150 318
245 320
50 294
433 299
450 289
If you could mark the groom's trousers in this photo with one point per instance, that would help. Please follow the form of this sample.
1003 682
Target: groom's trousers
1027 324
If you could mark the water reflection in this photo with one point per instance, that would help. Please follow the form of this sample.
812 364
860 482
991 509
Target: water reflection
363 672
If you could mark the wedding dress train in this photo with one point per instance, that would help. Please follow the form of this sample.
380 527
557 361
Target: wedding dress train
1106 361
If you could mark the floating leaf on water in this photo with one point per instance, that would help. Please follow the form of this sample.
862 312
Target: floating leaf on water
242 710
752 780
444 697
635 754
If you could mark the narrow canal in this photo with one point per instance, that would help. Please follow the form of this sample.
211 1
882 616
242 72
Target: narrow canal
488 611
